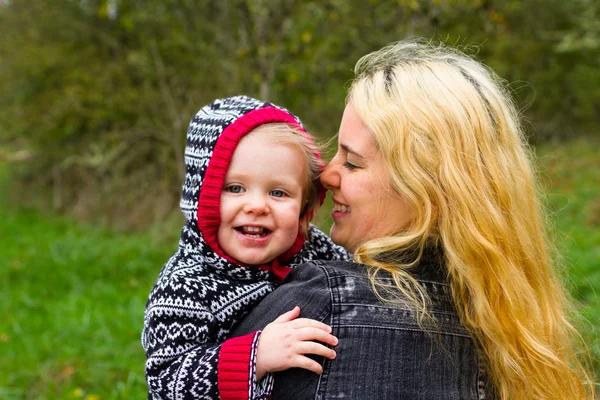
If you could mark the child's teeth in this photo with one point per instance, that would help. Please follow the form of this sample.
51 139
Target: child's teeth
253 229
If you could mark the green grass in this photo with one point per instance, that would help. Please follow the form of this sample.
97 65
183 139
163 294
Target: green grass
571 175
72 296
72 299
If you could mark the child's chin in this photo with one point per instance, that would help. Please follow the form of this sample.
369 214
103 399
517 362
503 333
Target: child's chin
255 260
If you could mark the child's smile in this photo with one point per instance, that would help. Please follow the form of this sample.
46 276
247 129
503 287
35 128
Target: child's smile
253 232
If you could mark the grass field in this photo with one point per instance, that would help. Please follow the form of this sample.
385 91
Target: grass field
571 176
72 296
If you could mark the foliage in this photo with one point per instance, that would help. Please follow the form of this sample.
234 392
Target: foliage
95 95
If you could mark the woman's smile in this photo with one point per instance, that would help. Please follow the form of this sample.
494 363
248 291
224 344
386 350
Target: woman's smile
340 208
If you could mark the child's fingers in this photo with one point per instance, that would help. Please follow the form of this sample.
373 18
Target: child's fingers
315 348
308 364
288 316
309 323
306 334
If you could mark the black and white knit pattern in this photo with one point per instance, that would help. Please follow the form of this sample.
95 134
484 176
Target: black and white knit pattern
199 296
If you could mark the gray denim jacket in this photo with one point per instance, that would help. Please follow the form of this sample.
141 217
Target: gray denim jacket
382 352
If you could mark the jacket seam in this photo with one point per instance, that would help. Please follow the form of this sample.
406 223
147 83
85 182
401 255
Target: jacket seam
355 275
406 329
399 309
324 269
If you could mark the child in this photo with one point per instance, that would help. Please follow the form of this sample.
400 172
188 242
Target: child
250 189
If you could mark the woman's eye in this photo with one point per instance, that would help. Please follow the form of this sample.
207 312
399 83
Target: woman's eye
278 193
350 166
234 189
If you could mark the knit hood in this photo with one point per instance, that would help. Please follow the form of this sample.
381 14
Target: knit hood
212 137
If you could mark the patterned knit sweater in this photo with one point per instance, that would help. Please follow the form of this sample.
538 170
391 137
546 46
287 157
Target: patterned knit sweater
201 292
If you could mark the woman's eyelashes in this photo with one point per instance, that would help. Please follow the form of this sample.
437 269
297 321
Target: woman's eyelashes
350 166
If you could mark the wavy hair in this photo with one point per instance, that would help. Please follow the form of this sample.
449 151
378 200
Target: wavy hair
450 134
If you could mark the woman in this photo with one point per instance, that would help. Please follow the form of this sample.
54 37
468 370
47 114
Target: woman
434 194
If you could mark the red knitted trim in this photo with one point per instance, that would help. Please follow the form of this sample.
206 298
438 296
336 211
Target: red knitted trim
210 195
233 367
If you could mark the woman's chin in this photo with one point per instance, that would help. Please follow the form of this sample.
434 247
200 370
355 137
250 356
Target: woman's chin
338 237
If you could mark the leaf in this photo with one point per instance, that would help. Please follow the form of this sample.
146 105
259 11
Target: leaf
306 36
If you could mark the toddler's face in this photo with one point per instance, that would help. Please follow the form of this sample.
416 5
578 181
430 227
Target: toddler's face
261 200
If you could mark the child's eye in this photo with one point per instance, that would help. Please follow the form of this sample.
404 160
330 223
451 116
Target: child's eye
350 166
234 189
277 193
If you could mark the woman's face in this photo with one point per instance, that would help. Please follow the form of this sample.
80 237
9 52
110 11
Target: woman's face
365 207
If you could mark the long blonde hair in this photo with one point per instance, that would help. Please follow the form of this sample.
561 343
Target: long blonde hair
450 135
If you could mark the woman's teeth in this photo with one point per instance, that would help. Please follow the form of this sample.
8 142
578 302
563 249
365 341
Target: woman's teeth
340 207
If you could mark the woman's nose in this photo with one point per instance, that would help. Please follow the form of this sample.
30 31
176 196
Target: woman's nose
330 178
256 204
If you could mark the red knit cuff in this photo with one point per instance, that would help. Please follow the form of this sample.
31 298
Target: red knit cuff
233 369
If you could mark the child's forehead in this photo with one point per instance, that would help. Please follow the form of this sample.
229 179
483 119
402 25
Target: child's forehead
268 165
261 139
256 154
258 134
273 133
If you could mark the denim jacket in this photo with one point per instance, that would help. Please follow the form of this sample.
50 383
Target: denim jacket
383 352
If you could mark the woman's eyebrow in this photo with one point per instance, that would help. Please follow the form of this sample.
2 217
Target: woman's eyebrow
348 149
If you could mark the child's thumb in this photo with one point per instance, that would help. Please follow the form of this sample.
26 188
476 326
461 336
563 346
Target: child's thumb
289 316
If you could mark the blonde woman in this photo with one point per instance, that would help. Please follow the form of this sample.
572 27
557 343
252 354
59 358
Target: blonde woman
453 294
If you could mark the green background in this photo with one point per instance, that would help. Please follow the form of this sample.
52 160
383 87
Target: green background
95 98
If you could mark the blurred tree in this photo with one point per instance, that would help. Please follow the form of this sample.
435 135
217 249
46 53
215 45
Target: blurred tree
96 95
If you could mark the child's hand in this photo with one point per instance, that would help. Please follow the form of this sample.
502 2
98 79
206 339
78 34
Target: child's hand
285 341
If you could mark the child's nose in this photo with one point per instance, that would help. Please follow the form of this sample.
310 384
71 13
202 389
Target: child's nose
256 204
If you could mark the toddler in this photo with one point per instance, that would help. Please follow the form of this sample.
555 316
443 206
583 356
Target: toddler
250 190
